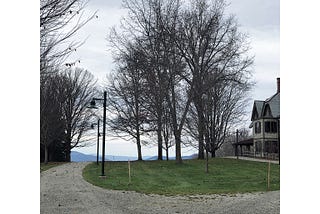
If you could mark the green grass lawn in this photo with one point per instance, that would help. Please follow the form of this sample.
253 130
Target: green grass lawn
166 177
44 167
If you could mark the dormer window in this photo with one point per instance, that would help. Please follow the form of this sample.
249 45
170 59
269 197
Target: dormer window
257 127
267 111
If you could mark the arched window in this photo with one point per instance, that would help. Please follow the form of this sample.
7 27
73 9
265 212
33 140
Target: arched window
257 127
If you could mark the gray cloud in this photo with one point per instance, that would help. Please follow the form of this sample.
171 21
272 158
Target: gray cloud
102 4
256 13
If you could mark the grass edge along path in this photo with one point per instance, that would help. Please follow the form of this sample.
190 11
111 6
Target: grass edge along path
49 165
168 178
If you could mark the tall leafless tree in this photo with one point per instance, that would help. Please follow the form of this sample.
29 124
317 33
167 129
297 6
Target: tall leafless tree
51 124
60 20
76 89
190 50
213 49
224 112
125 102
145 25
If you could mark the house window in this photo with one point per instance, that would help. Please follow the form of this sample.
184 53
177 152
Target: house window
271 147
275 147
274 127
267 147
258 146
257 127
270 126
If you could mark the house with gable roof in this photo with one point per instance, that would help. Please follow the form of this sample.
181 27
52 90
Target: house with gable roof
265 123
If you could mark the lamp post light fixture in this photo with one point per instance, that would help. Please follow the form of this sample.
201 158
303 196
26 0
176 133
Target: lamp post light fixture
93 105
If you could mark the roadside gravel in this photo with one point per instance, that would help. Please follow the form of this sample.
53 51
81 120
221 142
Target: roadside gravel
63 190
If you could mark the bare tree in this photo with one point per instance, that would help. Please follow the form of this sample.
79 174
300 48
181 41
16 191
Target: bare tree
167 131
76 90
227 148
51 124
145 17
145 25
224 111
179 101
59 21
64 116
126 103
189 49
212 47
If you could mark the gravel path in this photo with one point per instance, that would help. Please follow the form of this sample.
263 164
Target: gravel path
63 190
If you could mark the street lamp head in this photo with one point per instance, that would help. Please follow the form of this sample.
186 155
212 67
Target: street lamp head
93 104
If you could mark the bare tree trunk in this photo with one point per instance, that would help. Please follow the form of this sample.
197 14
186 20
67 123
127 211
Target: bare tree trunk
137 110
200 136
201 146
68 152
176 131
213 152
139 146
178 148
159 130
46 154
207 145
68 146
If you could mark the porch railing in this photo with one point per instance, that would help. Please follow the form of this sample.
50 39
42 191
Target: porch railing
264 155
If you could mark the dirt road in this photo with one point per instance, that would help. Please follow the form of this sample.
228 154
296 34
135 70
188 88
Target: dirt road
63 190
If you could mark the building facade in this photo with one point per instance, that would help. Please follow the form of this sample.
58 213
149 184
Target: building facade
265 123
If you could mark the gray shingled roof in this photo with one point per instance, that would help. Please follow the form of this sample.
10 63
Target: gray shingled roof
259 105
273 102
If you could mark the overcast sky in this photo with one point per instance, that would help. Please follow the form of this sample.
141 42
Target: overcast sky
19 90
260 19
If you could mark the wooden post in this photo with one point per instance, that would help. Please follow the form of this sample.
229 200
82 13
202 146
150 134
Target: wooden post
268 180
129 172
237 139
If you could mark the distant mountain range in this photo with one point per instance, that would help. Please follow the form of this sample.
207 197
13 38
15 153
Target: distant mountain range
80 157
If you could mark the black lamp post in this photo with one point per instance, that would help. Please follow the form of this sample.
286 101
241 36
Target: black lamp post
98 135
93 103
